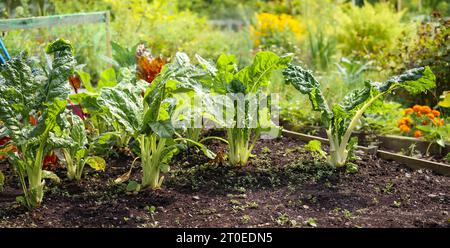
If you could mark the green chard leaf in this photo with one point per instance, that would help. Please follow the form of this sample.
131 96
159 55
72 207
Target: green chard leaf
163 129
60 69
306 83
415 81
107 79
124 102
258 73
355 98
226 67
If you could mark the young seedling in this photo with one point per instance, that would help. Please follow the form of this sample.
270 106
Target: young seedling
315 148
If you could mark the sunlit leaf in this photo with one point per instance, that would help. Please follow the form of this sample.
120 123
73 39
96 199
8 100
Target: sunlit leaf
96 163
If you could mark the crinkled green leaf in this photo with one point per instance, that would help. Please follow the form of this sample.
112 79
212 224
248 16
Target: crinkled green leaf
62 67
306 83
163 129
81 154
105 138
124 102
355 98
78 132
48 120
167 154
208 66
226 68
86 79
88 100
236 86
258 73
415 81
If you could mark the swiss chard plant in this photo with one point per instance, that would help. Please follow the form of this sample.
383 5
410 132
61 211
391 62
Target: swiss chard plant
147 118
341 119
76 147
225 79
31 100
98 121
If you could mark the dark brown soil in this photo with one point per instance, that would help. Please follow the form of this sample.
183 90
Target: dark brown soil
283 186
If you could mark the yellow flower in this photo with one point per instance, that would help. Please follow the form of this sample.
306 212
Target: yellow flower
268 26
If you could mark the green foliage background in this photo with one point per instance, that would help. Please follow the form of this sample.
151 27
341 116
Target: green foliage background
373 33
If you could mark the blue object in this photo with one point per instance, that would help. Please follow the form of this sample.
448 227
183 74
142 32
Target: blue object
2 59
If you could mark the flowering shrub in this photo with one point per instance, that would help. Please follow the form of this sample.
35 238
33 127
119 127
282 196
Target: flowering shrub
419 116
273 29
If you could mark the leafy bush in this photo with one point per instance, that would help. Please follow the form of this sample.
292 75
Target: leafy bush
369 30
280 30
429 47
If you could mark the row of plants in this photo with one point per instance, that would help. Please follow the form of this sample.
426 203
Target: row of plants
136 109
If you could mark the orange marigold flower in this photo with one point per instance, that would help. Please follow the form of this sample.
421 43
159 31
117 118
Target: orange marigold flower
430 115
417 108
425 109
408 111
436 113
424 122
442 122
408 120
437 122
405 128
404 121
418 134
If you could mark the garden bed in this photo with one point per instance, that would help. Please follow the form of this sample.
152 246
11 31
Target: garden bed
282 187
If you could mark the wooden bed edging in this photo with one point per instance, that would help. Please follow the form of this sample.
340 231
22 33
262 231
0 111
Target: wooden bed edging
390 142
396 143
414 163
